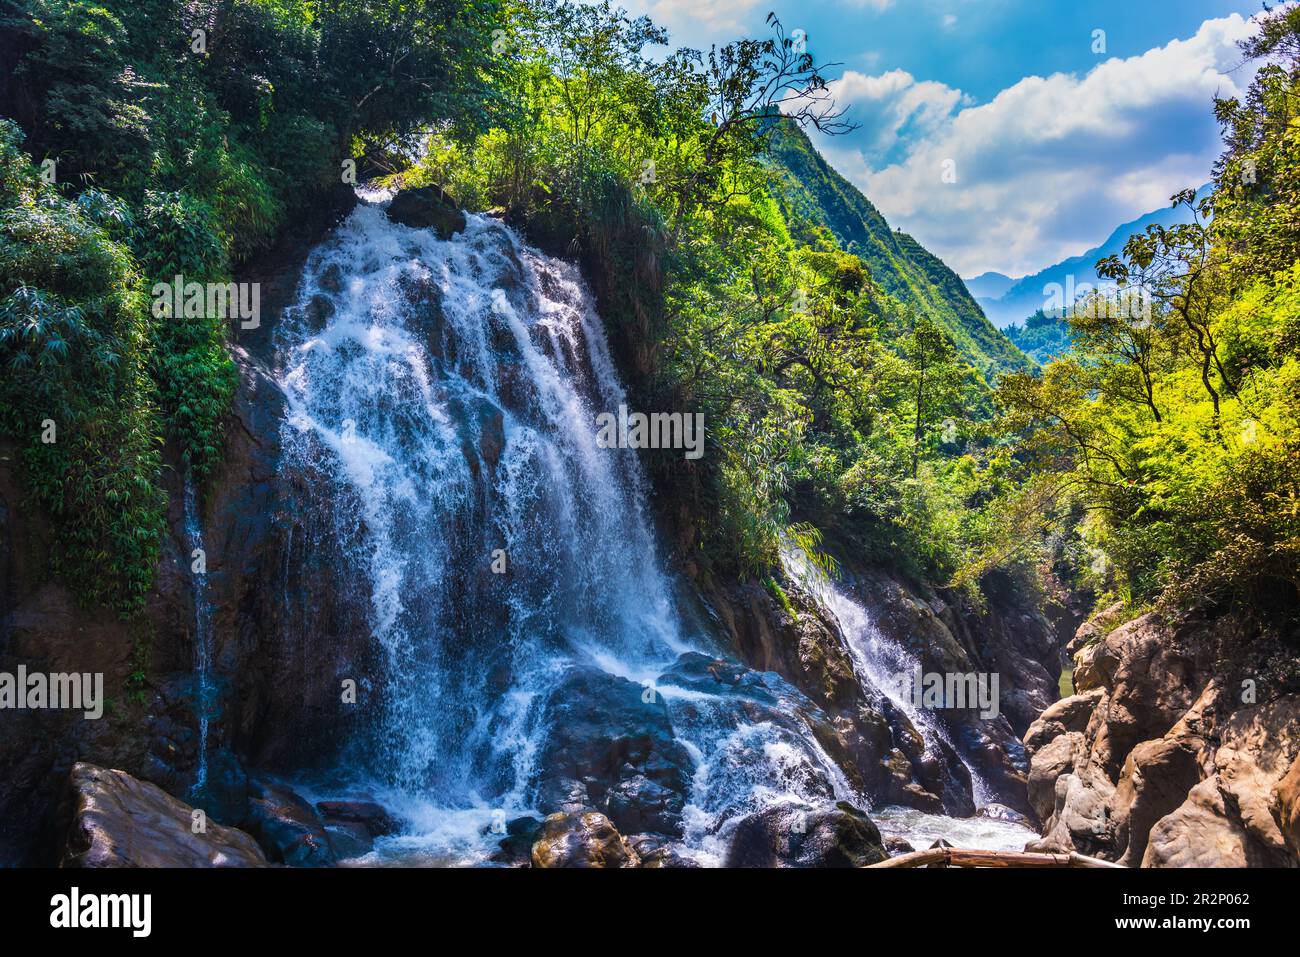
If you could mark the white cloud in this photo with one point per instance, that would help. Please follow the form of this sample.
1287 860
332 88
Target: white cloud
894 108
1050 165
697 17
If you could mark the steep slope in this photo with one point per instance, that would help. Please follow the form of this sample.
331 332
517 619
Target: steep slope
1026 296
812 192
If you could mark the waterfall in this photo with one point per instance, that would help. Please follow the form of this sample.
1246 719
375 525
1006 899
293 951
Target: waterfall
205 689
879 661
445 395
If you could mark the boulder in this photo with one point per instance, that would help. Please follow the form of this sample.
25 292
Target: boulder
120 821
612 747
1049 763
516 848
582 839
1068 714
1288 806
655 852
427 207
370 815
793 836
1156 778
1200 833
1159 764
287 827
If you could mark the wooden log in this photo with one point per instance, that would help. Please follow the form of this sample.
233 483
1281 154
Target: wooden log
970 857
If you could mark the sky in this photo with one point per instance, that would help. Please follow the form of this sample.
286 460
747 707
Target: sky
1054 120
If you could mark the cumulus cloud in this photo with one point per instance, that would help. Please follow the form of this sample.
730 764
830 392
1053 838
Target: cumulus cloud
893 110
697 17
1050 165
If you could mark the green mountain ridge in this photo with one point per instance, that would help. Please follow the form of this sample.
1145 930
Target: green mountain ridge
811 190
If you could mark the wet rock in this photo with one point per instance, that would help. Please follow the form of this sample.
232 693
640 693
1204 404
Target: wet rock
119 821
896 846
287 827
612 746
516 848
656 852
786 836
1000 812
582 839
349 839
370 815
225 795
319 311
427 206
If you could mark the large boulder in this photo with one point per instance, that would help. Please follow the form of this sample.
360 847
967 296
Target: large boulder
1067 715
1050 762
612 747
791 836
288 827
119 821
1159 763
427 207
582 839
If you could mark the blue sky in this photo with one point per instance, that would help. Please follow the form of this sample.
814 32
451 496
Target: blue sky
1053 143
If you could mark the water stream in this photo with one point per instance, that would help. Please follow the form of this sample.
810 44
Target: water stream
204 686
447 392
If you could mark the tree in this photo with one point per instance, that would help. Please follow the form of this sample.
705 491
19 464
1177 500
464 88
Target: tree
935 378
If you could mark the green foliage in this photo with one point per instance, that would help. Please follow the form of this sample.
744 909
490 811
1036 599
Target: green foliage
182 161
1042 337
1169 439
823 396
76 394
814 195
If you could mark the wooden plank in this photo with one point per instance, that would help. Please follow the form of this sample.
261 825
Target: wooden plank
971 857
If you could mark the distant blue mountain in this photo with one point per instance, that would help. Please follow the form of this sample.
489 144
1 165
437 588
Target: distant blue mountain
1023 297
989 285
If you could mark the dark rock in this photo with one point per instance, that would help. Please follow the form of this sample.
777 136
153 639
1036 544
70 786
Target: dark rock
515 849
785 836
287 827
428 206
225 796
369 814
611 744
1000 812
349 839
655 851
896 846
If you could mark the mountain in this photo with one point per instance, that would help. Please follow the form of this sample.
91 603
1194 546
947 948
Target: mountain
989 285
812 191
1026 296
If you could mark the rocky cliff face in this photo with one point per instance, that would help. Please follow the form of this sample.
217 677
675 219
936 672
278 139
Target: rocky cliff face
278 658
289 628
1169 755
805 644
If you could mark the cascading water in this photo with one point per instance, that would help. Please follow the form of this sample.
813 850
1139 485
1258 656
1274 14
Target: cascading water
880 662
886 665
448 391
204 686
